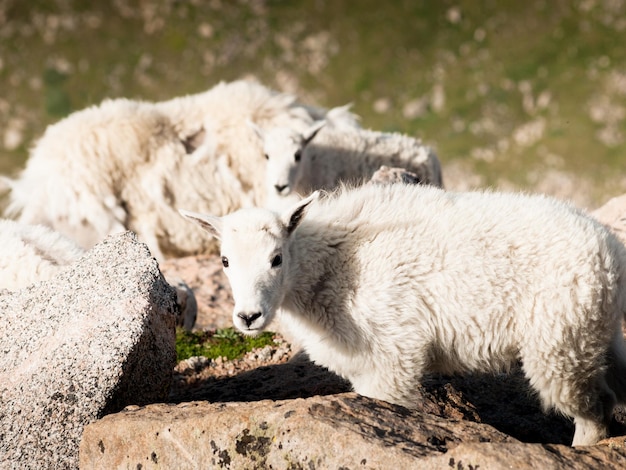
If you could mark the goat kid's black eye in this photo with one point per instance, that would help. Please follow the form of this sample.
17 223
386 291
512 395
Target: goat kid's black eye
298 155
267 157
224 261
277 261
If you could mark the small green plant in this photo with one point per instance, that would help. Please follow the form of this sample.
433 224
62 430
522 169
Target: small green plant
223 342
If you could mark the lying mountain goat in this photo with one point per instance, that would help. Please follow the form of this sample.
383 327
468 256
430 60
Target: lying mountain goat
32 253
325 155
384 283
126 165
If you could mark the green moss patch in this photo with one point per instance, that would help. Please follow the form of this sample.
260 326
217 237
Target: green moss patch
223 342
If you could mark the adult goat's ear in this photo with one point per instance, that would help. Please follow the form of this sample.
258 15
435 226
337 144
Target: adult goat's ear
210 223
257 130
292 217
312 131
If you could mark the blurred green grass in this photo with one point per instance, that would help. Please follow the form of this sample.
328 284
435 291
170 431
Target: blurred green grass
471 78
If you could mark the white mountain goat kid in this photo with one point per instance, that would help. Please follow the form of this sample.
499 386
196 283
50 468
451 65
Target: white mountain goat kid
325 155
283 147
382 284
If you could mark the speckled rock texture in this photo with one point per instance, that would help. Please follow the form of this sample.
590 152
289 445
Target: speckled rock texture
94 339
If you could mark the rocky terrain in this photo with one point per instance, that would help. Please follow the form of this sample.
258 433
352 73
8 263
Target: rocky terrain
274 409
89 380
525 96
266 412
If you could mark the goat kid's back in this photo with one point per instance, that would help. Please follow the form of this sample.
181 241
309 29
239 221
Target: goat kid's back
485 267
469 282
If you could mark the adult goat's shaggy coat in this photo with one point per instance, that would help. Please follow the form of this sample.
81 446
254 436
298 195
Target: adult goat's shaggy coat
383 284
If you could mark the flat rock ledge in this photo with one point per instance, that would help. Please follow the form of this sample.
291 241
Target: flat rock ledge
336 431
94 339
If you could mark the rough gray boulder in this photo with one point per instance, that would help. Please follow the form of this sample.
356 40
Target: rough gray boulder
97 337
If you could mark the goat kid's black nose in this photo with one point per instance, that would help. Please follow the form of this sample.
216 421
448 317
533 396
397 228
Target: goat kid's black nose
280 187
249 317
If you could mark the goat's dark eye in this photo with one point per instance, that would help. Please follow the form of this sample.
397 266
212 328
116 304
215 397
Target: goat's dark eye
224 261
298 155
267 157
277 261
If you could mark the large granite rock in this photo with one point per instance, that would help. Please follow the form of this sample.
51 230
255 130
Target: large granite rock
97 337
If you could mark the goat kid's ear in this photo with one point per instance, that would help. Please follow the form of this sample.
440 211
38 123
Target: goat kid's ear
257 130
292 217
210 223
312 131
